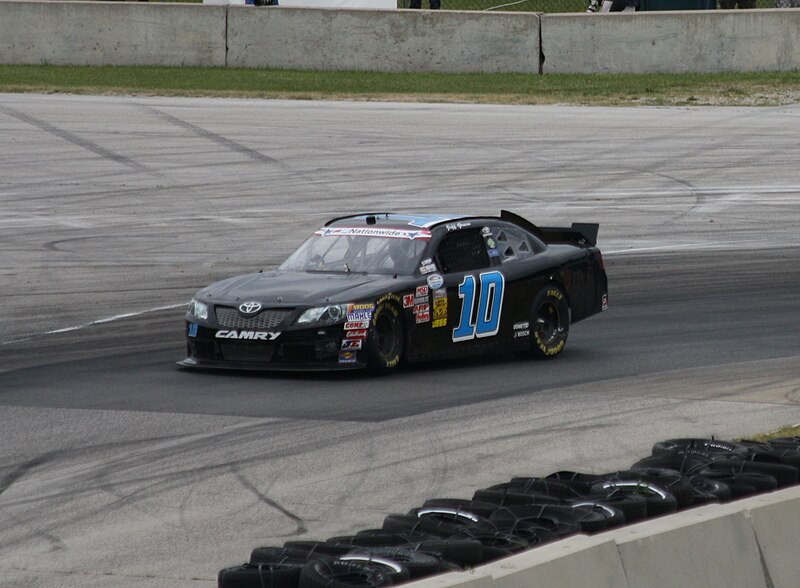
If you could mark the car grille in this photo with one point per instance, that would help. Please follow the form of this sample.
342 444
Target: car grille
246 353
266 319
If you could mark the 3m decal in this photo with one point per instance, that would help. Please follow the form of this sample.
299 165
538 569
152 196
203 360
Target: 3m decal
490 305
408 300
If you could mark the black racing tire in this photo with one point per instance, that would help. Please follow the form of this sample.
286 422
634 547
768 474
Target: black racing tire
259 576
550 318
418 563
462 552
687 446
284 557
673 482
386 339
561 520
562 489
658 501
349 574
505 496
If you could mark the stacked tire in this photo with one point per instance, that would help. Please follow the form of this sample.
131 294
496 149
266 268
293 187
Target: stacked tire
447 534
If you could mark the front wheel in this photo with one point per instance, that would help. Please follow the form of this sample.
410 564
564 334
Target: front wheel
386 339
550 322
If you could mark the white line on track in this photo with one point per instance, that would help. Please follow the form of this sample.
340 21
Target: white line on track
101 321
668 247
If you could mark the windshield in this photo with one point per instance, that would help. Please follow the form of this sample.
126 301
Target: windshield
372 251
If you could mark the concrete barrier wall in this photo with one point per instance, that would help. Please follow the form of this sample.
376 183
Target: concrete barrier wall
89 33
750 543
121 33
388 41
672 42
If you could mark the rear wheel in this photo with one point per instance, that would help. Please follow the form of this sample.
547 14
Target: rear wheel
549 322
386 339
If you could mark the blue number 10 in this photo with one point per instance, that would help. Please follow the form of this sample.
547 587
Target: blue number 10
490 304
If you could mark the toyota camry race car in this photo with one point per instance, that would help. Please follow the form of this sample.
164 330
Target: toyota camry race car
372 290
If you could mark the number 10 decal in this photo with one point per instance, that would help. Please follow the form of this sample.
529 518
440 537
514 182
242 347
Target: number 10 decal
490 304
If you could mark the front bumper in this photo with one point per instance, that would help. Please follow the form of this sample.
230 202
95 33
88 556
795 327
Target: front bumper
299 350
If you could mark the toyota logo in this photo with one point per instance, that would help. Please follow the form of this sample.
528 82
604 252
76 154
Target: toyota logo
249 307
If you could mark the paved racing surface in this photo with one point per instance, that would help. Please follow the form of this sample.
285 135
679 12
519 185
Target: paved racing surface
118 469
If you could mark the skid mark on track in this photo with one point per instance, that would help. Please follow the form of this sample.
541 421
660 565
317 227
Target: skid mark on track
218 139
301 526
74 139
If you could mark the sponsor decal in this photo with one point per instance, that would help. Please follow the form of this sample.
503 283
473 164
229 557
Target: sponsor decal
458 225
427 261
491 243
425 307
520 334
359 334
423 317
192 330
427 268
421 291
249 307
349 326
347 357
360 315
438 323
522 325
386 297
494 253
440 293
440 313
351 344
248 335
435 281
486 231
361 306
421 300
605 302
373 232
440 304
408 300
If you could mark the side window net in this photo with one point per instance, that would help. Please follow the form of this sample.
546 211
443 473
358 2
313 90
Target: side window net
463 251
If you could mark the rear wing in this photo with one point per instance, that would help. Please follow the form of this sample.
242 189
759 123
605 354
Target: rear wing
576 234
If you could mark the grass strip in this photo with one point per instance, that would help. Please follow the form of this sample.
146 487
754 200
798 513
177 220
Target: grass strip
761 89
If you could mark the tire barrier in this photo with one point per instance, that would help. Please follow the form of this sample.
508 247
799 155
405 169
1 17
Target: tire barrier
454 534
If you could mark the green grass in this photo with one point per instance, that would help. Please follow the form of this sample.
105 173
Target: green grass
788 431
653 89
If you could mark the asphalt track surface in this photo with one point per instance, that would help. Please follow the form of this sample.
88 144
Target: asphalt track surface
118 469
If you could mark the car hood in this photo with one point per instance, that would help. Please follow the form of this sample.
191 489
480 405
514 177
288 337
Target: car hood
299 288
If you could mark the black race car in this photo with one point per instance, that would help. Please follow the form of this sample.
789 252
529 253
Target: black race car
372 290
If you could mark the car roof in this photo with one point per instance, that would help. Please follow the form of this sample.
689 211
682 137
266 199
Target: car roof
398 220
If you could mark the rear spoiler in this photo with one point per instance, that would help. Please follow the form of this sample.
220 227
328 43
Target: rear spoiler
577 234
